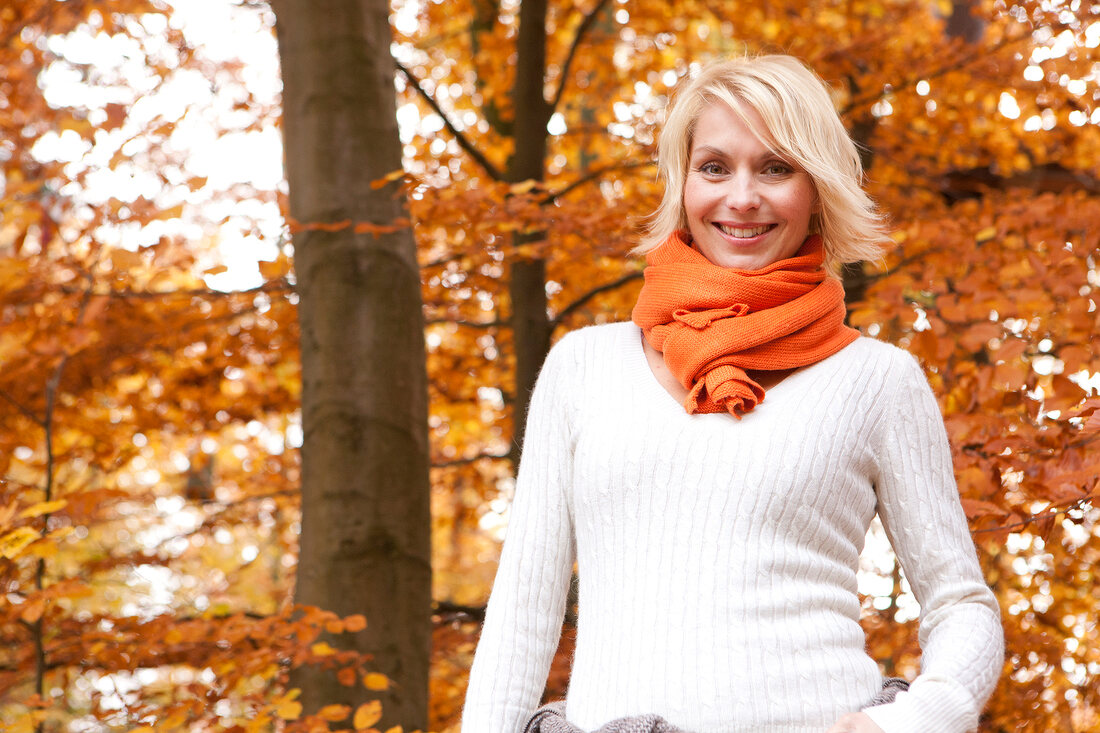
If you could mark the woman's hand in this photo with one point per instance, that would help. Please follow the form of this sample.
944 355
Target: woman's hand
855 723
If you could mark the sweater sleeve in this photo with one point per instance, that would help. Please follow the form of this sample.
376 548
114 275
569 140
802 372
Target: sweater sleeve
527 604
962 643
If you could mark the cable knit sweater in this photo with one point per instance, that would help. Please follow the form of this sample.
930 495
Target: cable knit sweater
717 557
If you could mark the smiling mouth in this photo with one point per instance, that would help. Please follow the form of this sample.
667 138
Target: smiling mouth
744 233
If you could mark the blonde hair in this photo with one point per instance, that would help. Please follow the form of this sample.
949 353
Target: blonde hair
802 127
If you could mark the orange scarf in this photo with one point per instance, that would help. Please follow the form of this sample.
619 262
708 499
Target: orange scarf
712 323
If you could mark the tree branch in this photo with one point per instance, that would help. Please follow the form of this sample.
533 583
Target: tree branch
275 286
469 324
470 459
25 411
449 608
580 302
592 175
582 29
956 65
1040 517
463 141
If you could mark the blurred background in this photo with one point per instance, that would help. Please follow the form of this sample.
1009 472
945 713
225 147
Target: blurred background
150 378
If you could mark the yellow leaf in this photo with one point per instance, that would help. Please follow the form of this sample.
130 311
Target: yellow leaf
376 681
388 178
322 649
524 186
13 543
124 259
288 709
367 714
215 270
274 270
985 234
173 213
356 622
42 507
334 713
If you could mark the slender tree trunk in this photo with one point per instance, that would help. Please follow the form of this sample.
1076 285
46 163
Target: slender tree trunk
365 516
527 286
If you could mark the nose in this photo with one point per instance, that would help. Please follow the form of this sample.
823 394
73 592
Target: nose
742 192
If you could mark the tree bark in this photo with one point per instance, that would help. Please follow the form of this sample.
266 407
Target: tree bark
527 285
365 491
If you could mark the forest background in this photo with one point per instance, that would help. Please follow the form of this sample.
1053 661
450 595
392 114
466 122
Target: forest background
151 427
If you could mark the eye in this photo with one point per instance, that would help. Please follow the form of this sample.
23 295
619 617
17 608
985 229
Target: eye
711 169
778 168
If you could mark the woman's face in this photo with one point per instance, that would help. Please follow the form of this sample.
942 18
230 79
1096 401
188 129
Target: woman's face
746 207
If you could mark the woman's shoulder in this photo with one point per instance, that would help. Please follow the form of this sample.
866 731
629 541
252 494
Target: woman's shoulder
597 340
874 373
887 359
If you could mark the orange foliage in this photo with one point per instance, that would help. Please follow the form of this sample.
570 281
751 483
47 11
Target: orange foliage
148 450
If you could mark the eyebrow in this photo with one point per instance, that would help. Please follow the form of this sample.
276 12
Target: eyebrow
708 151
711 151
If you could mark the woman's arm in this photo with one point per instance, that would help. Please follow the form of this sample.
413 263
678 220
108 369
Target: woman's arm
962 643
524 617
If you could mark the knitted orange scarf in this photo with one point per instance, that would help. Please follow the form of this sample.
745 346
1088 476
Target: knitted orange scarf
713 323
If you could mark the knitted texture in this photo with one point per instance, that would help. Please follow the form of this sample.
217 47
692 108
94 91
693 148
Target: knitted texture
712 323
551 719
717 557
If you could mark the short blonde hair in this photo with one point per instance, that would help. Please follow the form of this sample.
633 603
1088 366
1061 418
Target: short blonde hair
802 126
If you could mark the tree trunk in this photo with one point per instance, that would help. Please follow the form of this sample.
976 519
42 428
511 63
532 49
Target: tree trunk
365 491
527 285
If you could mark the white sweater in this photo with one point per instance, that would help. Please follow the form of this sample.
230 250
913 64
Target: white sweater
717 557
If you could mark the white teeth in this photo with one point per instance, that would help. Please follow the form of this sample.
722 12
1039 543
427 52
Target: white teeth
744 233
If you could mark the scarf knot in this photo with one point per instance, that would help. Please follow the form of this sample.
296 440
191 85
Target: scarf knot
714 324
702 319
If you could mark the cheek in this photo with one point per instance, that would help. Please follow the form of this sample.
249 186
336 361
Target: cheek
802 203
694 201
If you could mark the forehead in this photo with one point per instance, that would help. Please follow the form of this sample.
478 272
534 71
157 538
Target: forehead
722 125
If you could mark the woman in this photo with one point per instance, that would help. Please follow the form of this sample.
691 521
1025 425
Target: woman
714 465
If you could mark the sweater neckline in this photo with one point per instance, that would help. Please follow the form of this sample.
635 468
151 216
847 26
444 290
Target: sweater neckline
661 396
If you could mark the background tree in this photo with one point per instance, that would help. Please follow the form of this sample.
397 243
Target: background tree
148 423
365 523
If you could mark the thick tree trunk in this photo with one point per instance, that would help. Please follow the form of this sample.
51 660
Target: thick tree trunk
365 511
527 286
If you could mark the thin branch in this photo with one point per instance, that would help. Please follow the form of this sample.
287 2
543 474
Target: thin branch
26 411
444 260
957 65
463 141
582 29
1042 516
277 286
471 459
580 302
595 174
449 608
469 324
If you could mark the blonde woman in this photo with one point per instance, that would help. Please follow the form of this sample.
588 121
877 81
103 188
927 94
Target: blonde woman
713 465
